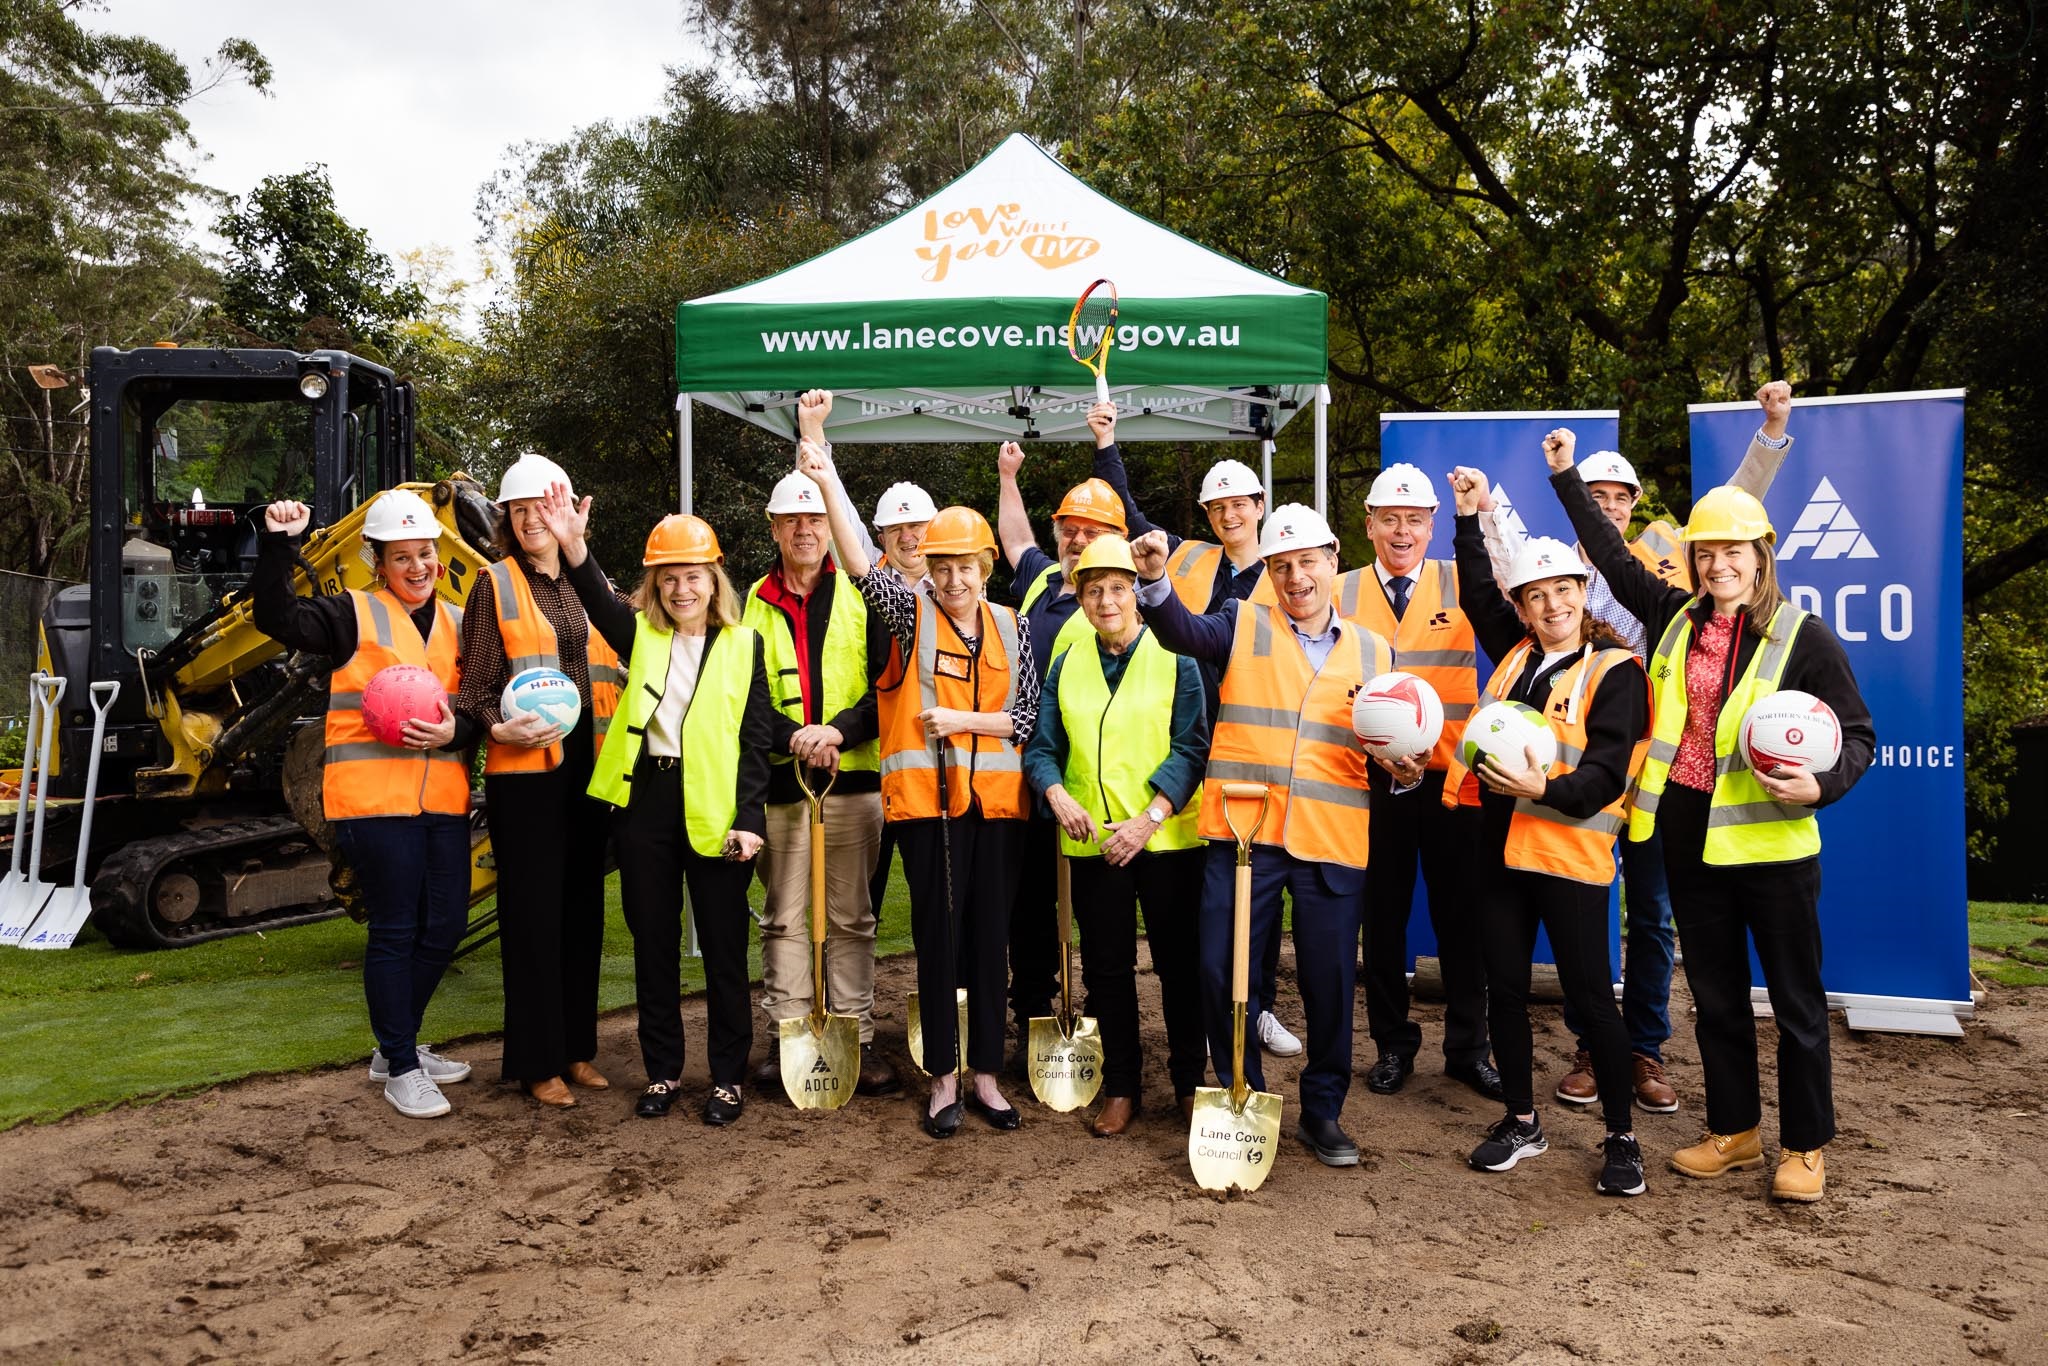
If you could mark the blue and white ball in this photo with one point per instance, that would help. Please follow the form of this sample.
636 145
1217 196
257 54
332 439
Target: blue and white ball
547 693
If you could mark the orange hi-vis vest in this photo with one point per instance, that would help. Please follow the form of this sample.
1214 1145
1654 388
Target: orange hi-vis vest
1540 838
1433 640
1282 723
1661 552
530 644
979 768
364 776
1192 570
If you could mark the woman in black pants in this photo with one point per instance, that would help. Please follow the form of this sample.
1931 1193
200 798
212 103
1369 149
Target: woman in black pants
1741 847
686 769
1546 853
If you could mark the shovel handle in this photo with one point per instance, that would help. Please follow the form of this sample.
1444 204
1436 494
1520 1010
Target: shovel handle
1241 937
1066 899
1257 792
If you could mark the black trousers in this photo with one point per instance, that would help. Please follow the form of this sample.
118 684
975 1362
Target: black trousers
548 836
1512 905
885 854
1719 912
1034 924
985 857
655 860
1106 901
1413 828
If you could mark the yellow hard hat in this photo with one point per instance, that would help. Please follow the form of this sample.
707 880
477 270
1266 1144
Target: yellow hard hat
1106 552
1097 501
1727 513
958 531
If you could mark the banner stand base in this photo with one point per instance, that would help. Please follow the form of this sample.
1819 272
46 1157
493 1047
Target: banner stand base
1887 1014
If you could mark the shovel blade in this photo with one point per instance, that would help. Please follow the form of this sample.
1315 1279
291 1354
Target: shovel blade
63 916
1066 1070
24 908
1229 1147
916 1030
820 1060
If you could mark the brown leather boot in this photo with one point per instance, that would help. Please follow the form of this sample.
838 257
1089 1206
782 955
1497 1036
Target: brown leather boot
551 1092
1578 1086
588 1077
1115 1116
1718 1154
1653 1093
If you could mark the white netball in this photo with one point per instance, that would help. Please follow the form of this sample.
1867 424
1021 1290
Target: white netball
1791 727
1397 716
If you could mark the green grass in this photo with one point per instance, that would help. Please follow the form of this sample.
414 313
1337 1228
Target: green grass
2009 942
96 1026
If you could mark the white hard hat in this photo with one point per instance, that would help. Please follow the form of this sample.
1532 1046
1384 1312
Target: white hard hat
795 492
1291 526
1230 479
531 475
1608 466
1545 557
1402 486
400 515
902 503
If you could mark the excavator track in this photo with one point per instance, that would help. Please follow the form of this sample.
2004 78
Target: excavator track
209 882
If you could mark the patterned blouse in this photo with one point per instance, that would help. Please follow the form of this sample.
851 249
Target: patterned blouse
897 603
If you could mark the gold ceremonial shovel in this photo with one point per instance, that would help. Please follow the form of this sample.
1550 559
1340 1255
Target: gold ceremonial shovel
820 1052
1066 1050
916 1027
1235 1133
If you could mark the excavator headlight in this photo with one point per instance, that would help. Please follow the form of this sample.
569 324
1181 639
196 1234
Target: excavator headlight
313 384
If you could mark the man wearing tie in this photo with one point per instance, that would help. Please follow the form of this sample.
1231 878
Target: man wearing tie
1417 609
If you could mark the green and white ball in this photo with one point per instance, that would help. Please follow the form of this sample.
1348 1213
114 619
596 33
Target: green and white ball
1509 730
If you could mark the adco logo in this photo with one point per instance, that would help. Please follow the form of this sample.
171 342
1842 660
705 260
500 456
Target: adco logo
1827 530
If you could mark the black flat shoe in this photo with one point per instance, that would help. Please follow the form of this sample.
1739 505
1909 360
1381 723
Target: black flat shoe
1005 1119
1481 1076
722 1106
656 1101
945 1123
1387 1073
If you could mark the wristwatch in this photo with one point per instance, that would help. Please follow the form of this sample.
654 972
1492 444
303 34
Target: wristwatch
1158 816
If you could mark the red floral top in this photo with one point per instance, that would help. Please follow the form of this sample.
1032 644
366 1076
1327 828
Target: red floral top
1706 664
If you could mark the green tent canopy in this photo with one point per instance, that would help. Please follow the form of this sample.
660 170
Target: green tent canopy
948 323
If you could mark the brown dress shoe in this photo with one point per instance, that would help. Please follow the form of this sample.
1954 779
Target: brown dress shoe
1115 1116
588 1077
551 1092
877 1077
1654 1093
1578 1086
767 1073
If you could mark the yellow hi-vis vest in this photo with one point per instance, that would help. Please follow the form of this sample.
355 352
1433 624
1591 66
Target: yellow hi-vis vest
1072 631
1111 759
1744 824
1192 570
711 729
846 663
1542 839
530 643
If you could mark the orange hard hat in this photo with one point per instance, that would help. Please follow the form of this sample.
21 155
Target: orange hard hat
958 531
1096 501
680 538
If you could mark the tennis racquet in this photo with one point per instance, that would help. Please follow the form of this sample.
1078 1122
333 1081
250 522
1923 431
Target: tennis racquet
1092 331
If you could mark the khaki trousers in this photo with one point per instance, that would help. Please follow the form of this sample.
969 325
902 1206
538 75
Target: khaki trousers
853 833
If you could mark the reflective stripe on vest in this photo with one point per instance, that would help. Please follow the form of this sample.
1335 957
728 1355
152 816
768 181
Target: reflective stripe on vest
1659 550
845 664
1433 640
529 641
363 775
1744 824
711 729
978 767
1111 759
1540 838
1283 723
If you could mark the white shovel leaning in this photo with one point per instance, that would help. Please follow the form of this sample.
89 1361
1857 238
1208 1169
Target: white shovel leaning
25 891
64 915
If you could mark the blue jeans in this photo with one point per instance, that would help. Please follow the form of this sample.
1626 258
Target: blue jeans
414 872
1646 981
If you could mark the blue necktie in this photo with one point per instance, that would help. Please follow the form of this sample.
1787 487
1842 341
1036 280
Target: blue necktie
1399 585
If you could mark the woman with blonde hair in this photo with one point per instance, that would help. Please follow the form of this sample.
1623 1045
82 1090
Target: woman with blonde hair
1741 846
686 773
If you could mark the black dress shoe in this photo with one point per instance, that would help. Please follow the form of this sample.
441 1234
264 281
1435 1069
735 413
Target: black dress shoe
1006 1118
767 1073
1481 1076
722 1106
656 1101
877 1077
945 1123
1388 1072
1331 1145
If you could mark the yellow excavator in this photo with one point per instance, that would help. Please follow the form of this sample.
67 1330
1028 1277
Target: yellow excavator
206 814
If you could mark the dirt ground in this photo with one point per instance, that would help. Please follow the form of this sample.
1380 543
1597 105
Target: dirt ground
299 1219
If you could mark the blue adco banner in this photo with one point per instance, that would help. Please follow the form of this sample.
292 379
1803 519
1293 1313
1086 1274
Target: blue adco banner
1869 515
1508 448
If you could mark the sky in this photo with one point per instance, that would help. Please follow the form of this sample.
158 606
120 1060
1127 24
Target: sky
410 105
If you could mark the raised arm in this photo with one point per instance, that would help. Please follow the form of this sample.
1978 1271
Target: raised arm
1109 468
1496 623
812 408
567 520
1641 593
1208 637
1769 447
816 465
1013 523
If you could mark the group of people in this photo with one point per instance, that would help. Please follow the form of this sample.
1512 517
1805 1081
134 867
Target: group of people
1087 731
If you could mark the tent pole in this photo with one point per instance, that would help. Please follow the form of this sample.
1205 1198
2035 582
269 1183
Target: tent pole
685 456
1266 469
1323 450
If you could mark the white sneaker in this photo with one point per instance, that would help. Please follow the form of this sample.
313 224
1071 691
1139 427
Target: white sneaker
414 1095
442 1070
1274 1038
